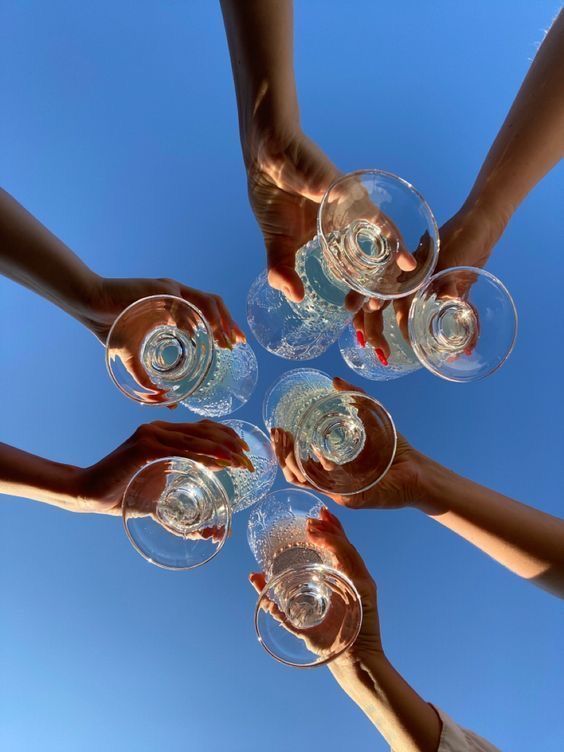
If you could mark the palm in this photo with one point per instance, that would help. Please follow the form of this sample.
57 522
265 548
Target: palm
398 487
212 444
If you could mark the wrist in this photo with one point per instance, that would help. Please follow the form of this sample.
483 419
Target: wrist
82 300
268 126
437 485
59 486
485 212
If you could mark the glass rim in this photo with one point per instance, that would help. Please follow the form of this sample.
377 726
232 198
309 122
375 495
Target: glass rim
348 393
412 189
421 292
316 568
215 482
118 320
281 378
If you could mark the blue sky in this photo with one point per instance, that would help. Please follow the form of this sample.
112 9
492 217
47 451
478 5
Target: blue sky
119 132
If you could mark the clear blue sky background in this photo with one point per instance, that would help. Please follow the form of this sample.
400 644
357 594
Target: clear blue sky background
119 132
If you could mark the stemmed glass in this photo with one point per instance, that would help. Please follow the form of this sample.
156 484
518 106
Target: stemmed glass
161 350
462 327
369 222
177 513
309 612
343 442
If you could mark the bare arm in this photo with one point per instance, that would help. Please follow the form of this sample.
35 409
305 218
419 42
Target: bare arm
287 174
531 140
34 257
525 540
100 487
404 719
31 255
528 145
31 477
260 37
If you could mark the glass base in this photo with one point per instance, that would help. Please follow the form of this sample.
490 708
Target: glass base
159 350
345 443
308 615
176 513
463 324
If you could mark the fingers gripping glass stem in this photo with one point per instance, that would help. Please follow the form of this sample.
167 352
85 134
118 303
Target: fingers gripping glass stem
160 350
376 236
343 442
308 613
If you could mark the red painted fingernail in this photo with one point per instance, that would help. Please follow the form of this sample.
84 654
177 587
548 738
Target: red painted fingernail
360 338
381 357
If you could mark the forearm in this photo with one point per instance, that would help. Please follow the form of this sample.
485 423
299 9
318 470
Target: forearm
404 719
260 37
525 540
34 257
531 140
32 477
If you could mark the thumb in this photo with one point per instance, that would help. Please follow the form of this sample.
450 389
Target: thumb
285 279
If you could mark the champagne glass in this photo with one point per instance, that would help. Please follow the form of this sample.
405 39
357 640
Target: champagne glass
367 222
344 442
462 327
309 613
177 513
161 350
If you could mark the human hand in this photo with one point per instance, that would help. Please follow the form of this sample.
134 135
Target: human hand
287 177
109 297
469 237
368 321
327 533
399 487
100 487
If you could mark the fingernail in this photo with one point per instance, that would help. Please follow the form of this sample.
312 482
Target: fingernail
244 444
381 357
360 338
249 465
468 351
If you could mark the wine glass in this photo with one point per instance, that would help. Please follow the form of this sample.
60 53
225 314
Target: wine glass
309 612
368 221
160 350
343 442
177 513
462 327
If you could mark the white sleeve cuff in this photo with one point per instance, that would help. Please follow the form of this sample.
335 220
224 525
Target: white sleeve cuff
454 738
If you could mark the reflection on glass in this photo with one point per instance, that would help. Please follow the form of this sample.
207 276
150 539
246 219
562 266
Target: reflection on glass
344 442
177 513
368 223
160 350
309 612
462 327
